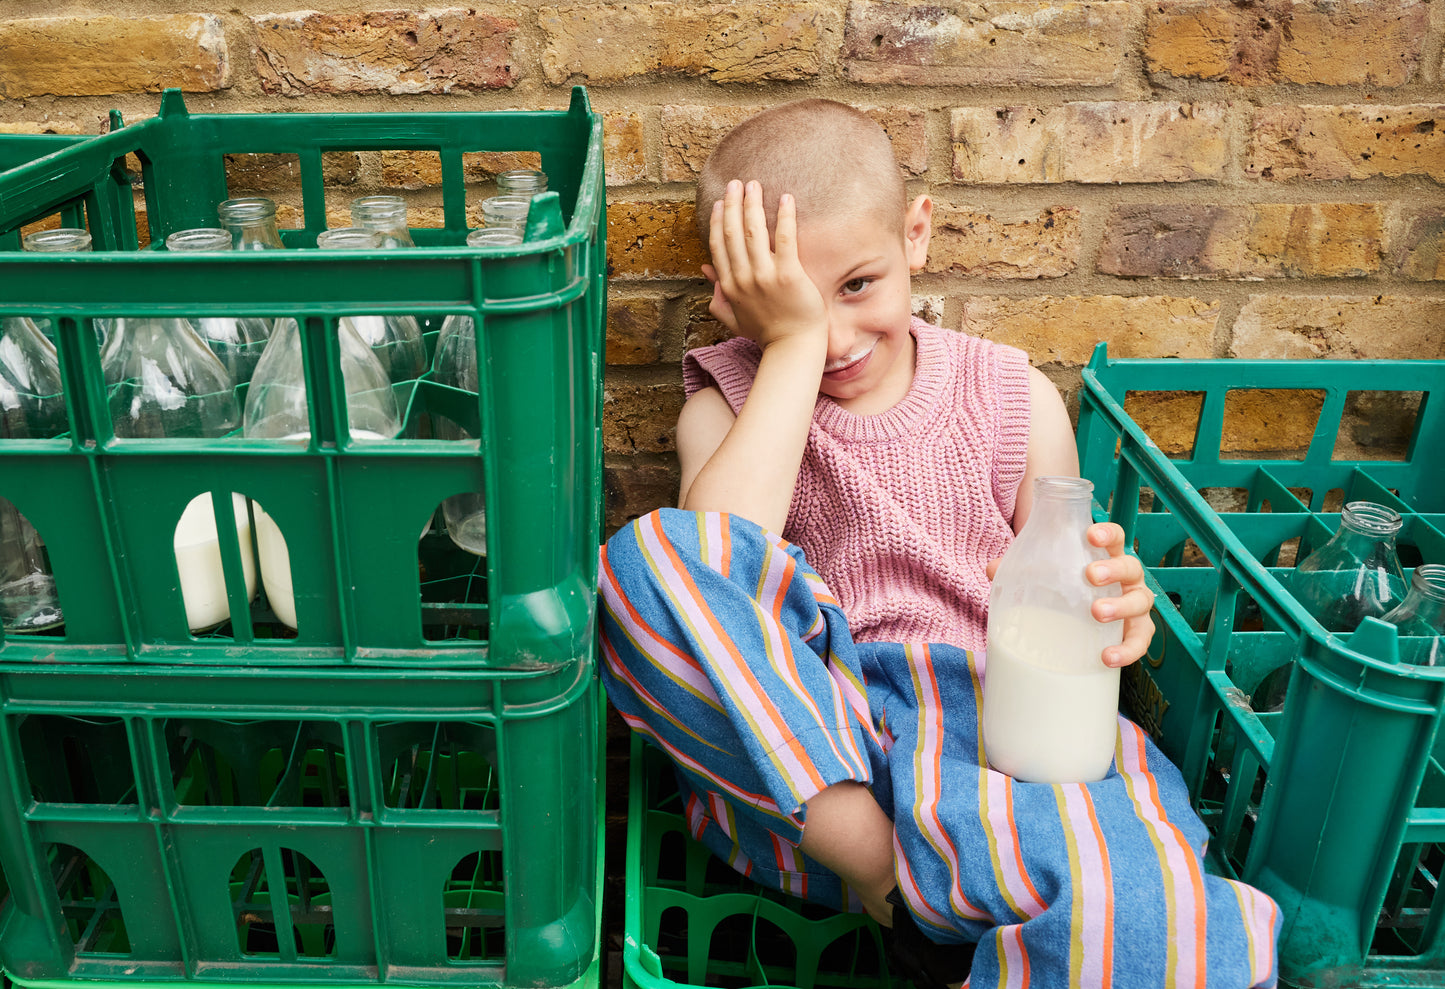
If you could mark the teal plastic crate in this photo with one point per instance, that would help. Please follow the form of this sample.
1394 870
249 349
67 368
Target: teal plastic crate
690 920
1335 806
107 508
207 826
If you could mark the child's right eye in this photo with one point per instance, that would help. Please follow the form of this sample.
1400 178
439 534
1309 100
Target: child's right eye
855 285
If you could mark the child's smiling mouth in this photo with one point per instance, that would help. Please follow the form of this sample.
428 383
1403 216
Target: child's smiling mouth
850 366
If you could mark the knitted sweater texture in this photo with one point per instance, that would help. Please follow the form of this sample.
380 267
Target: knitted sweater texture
901 511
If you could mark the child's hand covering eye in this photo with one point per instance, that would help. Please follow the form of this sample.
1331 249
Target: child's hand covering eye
760 290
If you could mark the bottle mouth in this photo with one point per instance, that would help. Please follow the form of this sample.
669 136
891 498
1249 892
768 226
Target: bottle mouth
199 239
1429 580
59 239
378 209
493 236
246 210
1062 486
348 239
1372 518
522 180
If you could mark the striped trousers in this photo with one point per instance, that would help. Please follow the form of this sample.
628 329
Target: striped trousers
726 650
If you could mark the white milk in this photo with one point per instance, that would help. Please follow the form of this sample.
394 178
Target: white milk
198 561
1049 714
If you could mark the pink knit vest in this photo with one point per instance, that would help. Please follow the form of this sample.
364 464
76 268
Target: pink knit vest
899 512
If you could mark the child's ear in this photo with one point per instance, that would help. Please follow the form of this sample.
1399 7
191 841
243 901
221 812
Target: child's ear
917 231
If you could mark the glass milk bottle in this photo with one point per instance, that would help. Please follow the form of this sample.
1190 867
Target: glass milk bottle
1356 575
396 340
165 383
521 182
465 515
1050 705
236 340
276 405
62 240
1422 613
252 223
387 216
31 407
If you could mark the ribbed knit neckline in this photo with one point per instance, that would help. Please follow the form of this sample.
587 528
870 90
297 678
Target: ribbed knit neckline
930 376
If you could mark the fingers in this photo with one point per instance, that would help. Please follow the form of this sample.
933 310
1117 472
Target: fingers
755 228
1126 571
1138 633
717 245
1136 602
785 237
734 237
722 309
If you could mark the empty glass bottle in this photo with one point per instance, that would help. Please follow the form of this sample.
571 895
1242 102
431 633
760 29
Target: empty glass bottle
1356 575
521 182
507 211
396 340
465 515
1050 705
387 216
63 240
165 383
236 340
1422 613
31 407
276 405
493 236
252 223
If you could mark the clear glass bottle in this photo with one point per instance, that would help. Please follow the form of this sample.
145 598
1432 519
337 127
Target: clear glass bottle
32 406
252 223
1356 575
521 182
236 340
465 515
493 237
387 216
507 211
165 383
1050 705
276 405
62 240
1422 613
396 340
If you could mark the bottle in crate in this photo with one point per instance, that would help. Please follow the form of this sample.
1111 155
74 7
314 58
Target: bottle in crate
31 407
396 340
252 223
62 240
465 515
1422 613
237 341
164 383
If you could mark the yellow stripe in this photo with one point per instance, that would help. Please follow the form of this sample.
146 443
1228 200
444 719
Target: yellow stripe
1002 953
1076 881
977 683
993 853
1166 876
1246 916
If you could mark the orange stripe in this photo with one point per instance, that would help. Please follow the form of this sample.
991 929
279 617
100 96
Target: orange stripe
637 617
1023 956
1008 789
1108 890
725 527
771 711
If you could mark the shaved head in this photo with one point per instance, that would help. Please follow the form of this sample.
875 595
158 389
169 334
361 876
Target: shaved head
836 161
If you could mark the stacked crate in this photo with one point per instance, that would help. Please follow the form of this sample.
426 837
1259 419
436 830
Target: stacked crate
405 788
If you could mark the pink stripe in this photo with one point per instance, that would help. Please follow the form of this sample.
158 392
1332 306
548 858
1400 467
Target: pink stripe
1010 855
1178 855
1261 921
747 693
1011 941
1094 891
712 525
928 788
908 886
762 802
785 662
682 668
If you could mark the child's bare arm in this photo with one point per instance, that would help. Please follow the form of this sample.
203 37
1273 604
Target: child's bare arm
1052 451
748 464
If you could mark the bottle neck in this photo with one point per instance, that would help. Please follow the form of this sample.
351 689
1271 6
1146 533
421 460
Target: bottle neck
1426 599
1063 502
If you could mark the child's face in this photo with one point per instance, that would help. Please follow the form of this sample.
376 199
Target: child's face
861 267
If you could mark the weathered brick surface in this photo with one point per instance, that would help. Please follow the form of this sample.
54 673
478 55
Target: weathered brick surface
1091 142
635 489
1355 42
1268 420
1032 245
744 42
1347 142
1064 329
258 174
1169 418
633 331
41 127
653 240
986 44
623 150
1380 327
640 418
1417 242
385 51
701 329
1273 240
690 133
101 55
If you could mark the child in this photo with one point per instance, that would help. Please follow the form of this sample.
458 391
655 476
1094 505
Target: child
824 721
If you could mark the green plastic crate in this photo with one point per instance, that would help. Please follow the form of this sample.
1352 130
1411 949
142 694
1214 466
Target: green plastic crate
690 920
1335 806
427 828
350 513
